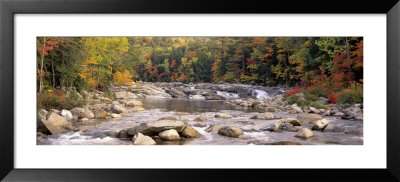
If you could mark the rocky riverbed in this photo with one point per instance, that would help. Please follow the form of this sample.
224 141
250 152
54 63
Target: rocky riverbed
200 114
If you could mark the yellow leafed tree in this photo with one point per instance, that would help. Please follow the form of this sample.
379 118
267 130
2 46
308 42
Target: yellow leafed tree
123 78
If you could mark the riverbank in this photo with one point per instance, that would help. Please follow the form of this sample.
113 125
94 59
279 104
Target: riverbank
200 114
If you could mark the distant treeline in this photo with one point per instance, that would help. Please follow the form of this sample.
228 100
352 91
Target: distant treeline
85 63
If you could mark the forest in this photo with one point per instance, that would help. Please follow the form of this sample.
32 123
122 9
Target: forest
332 64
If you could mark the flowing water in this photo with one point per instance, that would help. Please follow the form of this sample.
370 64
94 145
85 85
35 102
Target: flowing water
260 94
98 132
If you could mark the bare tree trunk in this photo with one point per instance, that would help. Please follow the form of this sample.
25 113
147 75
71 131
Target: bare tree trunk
54 76
41 67
61 77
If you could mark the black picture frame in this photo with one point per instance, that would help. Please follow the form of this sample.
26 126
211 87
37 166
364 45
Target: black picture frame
9 8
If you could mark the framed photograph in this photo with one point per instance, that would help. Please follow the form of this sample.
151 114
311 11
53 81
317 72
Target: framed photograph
135 90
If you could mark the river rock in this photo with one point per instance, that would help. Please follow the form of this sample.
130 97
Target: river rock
334 128
339 114
100 113
314 110
77 111
293 121
86 114
168 118
273 127
132 103
56 124
154 127
197 97
125 95
41 127
289 127
320 124
304 133
292 111
223 115
123 134
54 111
66 114
118 109
190 132
296 108
230 131
84 120
264 116
140 139
213 128
176 93
308 118
113 115
352 111
201 125
200 118
169 135
359 117
42 114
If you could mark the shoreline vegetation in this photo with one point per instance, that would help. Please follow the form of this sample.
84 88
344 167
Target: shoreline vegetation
302 89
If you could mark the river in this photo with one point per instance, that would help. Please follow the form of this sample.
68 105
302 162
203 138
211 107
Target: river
101 132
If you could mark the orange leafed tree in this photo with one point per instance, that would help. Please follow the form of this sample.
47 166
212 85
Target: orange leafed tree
123 78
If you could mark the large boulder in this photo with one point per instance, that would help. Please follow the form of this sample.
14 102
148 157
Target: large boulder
100 113
66 114
86 114
352 111
304 133
264 116
296 108
177 93
123 134
315 110
274 127
320 124
308 118
190 132
223 115
169 135
118 109
140 139
200 118
56 124
154 127
213 128
290 128
293 121
230 131
77 111
42 114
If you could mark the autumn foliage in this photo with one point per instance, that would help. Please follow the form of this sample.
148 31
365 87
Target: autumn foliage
321 65
294 91
332 98
123 78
